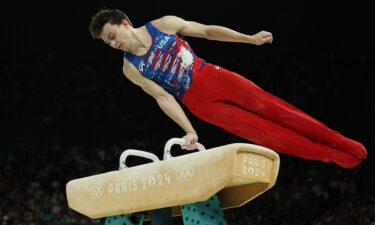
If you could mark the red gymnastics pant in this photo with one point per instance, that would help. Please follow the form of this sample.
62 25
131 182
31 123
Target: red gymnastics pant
232 102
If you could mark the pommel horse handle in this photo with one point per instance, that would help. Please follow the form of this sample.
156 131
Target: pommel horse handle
164 216
158 216
178 141
139 153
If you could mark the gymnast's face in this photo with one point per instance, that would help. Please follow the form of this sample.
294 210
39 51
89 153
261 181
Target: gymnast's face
118 36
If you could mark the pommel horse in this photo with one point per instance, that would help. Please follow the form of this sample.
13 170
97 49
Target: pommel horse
237 173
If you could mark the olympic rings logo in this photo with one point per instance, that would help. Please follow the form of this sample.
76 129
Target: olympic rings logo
185 174
96 192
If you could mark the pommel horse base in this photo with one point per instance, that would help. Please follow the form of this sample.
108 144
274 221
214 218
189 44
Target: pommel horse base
237 173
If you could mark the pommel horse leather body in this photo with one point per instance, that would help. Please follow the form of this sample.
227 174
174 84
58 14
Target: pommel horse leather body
236 172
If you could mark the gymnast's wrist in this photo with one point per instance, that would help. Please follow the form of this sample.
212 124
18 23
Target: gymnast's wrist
251 39
191 132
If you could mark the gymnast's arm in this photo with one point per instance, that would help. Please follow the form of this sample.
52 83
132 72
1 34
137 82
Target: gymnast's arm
173 24
166 101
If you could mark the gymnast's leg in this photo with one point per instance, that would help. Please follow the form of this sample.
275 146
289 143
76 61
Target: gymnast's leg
237 90
264 132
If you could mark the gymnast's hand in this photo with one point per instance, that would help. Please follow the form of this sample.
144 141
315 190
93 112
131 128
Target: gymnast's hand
262 37
191 141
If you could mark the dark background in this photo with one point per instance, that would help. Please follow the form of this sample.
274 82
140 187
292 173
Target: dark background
67 111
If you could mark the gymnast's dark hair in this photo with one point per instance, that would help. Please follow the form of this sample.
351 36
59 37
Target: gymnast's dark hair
103 16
